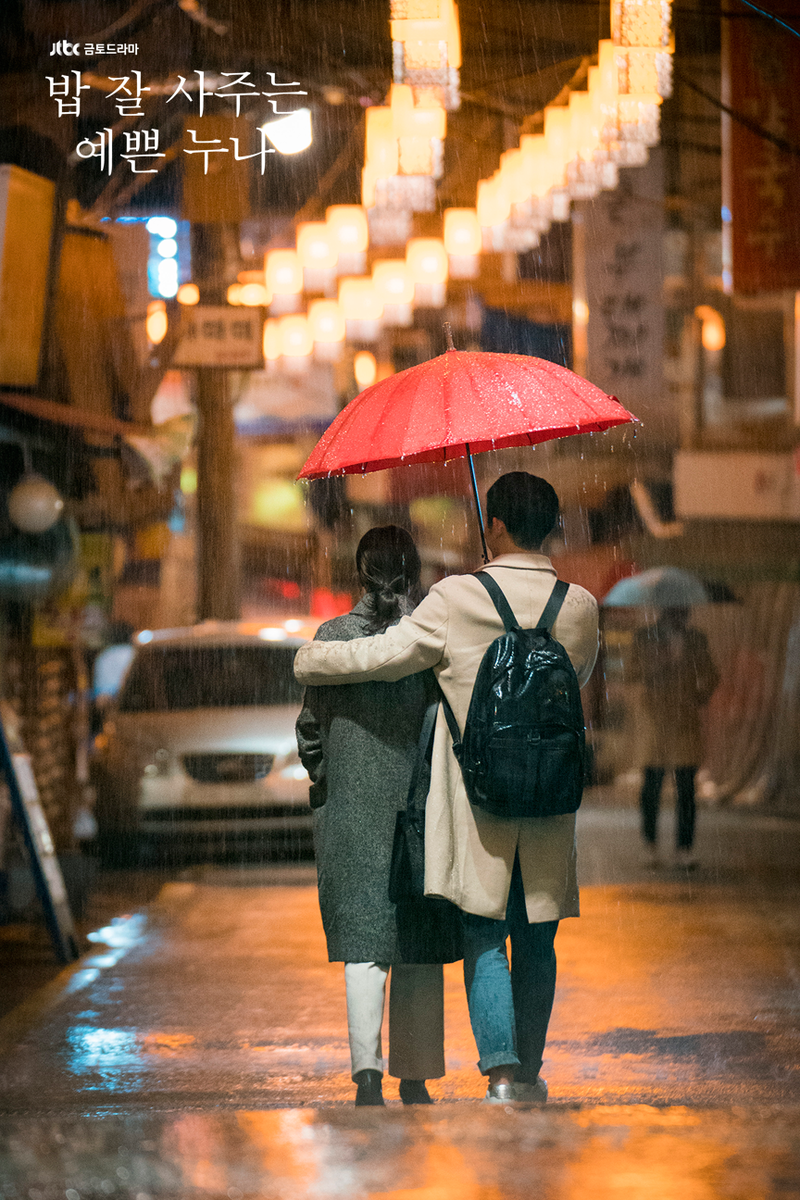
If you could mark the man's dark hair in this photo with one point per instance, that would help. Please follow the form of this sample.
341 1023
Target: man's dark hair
526 504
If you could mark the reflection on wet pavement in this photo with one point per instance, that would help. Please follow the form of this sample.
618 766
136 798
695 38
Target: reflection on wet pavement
200 1049
454 1153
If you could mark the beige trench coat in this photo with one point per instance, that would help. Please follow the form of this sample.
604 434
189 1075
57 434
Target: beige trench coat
469 854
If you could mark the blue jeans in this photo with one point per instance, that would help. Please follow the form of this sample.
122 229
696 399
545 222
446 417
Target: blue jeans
510 1009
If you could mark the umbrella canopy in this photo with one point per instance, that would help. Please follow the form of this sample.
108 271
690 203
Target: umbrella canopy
460 403
660 587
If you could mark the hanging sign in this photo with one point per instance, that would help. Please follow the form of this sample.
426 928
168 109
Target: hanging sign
220 336
761 177
624 289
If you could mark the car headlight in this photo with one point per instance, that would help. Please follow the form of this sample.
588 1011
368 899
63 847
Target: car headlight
160 764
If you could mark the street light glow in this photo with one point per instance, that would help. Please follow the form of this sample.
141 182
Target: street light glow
290 135
163 227
168 278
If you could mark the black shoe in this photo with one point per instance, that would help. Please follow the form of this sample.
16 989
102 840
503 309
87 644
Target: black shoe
413 1091
369 1090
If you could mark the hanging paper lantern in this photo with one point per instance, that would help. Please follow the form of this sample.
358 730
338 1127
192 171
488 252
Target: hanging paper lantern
326 321
350 233
493 202
362 308
283 272
271 341
462 241
284 280
34 505
316 246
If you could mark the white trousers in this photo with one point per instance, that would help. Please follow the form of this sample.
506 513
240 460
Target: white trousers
416 1018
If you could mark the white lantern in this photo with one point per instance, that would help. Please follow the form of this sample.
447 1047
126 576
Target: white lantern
350 232
326 324
34 505
362 308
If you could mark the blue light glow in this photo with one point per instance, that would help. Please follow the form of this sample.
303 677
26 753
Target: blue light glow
163 227
168 277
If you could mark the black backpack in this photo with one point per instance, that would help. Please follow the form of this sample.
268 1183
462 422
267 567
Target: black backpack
522 753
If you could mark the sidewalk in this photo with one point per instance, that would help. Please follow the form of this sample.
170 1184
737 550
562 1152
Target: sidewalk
202 1050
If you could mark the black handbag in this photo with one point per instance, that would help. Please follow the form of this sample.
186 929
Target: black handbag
407 870
428 928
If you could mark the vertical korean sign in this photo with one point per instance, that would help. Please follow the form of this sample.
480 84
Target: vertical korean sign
761 178
623 279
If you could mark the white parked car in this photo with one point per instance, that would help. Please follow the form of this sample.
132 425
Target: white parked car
199 746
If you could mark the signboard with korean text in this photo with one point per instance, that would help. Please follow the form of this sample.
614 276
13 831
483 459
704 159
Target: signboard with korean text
624 281
761 175
220 336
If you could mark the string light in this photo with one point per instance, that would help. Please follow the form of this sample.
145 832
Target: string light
156 322
188 293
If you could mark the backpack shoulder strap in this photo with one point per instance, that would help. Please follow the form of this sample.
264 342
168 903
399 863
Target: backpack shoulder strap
504 609
551 610
450 717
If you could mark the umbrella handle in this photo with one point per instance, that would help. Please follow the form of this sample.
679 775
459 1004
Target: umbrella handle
477 503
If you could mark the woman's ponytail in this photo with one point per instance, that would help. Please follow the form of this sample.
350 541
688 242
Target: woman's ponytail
388 566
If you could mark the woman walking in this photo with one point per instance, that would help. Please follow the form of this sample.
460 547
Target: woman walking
359 743
672 662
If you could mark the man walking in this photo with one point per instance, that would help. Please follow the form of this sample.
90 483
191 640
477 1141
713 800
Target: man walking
510 877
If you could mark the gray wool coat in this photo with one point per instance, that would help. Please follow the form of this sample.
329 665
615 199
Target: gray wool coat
358 743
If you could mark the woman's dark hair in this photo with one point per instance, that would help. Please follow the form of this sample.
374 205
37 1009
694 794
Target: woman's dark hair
388 566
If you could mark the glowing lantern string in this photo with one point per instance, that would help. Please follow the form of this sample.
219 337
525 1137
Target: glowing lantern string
327 327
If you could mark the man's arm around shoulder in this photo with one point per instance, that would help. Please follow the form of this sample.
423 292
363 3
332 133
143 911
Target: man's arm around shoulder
414 644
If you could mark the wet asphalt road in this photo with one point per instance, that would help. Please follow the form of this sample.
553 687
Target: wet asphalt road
201 1049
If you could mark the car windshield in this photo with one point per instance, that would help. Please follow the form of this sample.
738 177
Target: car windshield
177 678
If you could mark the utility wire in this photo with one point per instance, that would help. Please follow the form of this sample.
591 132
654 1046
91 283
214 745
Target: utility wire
762 12
753 126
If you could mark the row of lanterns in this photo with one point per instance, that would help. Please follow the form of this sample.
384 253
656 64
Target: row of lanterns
403 157
578 154
404 145
426 48
363 306
610 124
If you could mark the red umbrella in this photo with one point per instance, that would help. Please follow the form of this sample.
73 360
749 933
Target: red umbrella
456 405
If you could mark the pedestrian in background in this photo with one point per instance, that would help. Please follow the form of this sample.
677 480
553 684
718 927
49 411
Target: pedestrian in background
672 662
359 744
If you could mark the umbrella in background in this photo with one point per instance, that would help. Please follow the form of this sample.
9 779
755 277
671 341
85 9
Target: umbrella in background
458 404
660 587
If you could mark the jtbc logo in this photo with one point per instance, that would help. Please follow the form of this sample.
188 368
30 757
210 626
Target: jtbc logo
61 49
